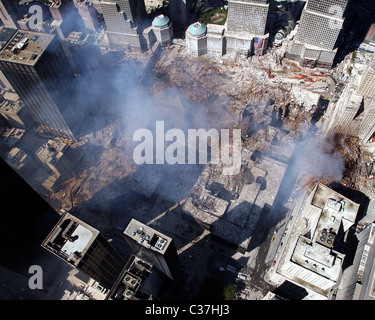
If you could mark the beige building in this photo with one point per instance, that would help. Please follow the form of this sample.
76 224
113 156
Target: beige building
354 112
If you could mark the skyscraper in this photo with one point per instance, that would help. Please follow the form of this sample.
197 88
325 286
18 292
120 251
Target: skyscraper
367 85
354 113
85 248
88 13
312 256
26 220
37 68
246 26
179 11
247 16
315 43
153 247
8 13
123 19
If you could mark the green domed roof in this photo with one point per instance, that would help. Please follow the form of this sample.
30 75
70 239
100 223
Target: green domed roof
160 21
197 29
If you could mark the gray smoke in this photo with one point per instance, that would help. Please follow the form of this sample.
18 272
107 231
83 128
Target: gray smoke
316 156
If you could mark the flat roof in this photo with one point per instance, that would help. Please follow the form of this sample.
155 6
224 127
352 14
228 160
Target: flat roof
318 259
70 239
25 47
309 257
51 150
147 236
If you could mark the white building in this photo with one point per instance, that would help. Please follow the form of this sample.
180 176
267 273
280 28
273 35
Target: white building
163 29
310 255
196 39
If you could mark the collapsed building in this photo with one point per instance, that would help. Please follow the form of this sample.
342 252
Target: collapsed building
230 210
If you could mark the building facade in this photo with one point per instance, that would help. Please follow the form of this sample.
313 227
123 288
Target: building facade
124 20
88 13
9 13
196 39
163 29
315 43
38 70
179 11
358 281
85 248
354 112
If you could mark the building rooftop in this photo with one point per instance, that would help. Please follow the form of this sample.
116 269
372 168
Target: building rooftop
147 237
25 47
11 136
70 239
51 150
312 257
215 29
18 158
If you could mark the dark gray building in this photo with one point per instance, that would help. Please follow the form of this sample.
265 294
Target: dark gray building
85 248
179 11
153 247
124 24
37 68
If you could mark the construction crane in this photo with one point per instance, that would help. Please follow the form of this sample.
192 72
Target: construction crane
265 69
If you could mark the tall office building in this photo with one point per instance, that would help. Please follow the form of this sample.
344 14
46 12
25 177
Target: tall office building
247 16
153 247
367 85
38 69
246 26
354 113
138 281
179 11
26 219
123 20
85 248
9 13
319 29
312 255
358 280
88 13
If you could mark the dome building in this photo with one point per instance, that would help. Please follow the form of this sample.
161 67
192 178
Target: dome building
163 29
196 39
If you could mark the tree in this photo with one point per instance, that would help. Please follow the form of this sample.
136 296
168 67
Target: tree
229 292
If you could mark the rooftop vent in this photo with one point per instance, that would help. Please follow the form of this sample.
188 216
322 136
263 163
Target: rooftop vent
326 238
131 281
160 244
